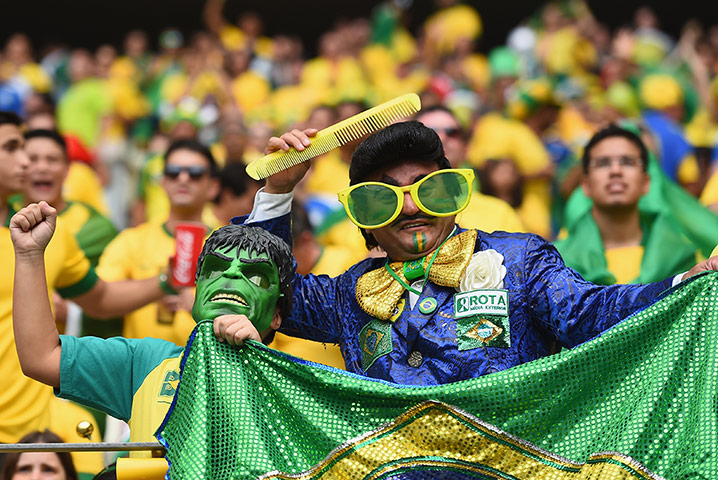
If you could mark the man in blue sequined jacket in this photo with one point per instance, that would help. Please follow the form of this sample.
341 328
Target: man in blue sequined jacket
445 304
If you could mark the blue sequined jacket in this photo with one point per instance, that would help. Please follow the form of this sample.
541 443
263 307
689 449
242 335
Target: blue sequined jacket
550 306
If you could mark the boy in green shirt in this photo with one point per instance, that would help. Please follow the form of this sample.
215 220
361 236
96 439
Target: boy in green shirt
243 285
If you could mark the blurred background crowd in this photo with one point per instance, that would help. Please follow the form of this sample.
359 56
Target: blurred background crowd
560 74
519 113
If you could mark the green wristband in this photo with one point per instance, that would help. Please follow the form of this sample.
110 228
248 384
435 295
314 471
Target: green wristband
165 286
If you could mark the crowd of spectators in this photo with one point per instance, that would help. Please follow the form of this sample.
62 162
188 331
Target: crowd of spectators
520 114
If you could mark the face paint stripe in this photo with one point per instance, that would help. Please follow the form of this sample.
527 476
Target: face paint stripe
419 242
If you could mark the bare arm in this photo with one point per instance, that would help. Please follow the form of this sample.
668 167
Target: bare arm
212 15
36 338
116 299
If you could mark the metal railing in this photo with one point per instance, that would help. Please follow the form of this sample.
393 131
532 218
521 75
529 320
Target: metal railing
157 449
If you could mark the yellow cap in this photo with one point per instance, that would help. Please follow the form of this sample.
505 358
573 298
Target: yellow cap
660 91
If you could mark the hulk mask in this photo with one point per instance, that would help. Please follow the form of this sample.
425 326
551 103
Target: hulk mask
243 270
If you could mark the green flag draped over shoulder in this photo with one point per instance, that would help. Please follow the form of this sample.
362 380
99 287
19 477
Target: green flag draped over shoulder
697 223
667 251
675 227
637 402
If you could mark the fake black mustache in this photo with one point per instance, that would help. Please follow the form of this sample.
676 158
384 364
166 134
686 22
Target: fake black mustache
418 216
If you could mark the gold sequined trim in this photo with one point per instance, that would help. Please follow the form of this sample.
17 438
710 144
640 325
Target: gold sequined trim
377 292
435 435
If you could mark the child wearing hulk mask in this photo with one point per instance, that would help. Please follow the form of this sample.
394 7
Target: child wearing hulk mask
243 284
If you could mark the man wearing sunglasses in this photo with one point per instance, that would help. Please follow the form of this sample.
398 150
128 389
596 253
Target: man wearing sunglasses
447 304
189 178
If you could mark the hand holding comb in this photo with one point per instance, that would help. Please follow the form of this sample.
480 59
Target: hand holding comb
364 123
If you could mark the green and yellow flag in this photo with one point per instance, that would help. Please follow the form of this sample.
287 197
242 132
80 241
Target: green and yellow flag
638 402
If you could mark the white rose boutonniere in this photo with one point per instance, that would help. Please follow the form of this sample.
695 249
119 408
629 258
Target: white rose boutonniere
485 270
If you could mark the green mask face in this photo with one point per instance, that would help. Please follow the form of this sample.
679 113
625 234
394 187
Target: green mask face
228 283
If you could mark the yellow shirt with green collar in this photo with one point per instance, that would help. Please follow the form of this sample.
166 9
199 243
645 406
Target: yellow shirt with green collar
91 229
83 185
138 253
93 233
24 403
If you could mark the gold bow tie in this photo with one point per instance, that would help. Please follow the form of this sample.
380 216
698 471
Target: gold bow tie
378 292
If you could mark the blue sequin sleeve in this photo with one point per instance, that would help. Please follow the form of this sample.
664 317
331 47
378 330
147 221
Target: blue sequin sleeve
317 305
317 309
573 309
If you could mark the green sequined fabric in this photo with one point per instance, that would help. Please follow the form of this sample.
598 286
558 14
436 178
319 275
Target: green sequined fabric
637 402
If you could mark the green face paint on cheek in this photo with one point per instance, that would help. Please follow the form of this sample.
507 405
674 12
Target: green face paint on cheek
419 242
231 284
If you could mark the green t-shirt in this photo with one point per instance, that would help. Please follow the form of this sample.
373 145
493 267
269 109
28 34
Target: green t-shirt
107 373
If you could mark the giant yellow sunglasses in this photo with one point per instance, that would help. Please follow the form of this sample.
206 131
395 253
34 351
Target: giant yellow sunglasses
441 194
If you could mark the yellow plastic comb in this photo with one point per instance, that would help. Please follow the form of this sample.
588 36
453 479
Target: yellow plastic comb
339 134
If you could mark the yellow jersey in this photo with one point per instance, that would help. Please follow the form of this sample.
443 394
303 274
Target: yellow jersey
624 263
24 403
139 253
489 214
